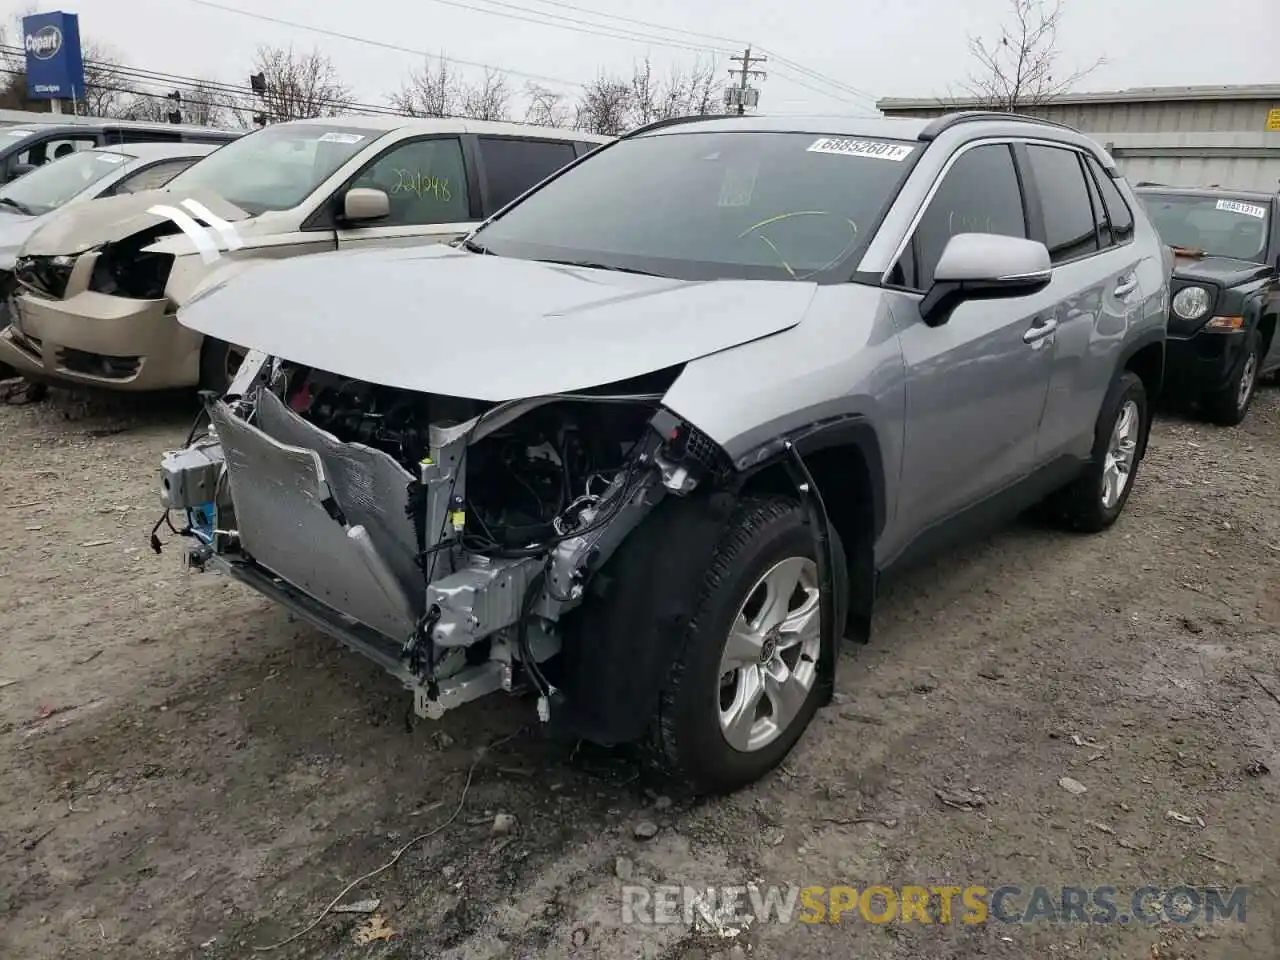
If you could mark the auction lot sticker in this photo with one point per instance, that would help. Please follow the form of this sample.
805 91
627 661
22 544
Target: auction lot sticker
1248 209
875 149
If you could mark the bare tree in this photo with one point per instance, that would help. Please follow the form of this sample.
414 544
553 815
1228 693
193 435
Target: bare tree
490 99
605 107
646 95
1016 71
207 104
107 88
430 92
691 93
202 103
612 105
546 107
300 85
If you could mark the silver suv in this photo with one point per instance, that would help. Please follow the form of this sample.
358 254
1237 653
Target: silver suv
648 442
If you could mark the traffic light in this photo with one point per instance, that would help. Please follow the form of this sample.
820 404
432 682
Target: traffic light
258 83
175 115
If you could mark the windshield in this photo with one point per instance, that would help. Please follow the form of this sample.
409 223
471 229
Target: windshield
1218 226
274 168
702 206
50 186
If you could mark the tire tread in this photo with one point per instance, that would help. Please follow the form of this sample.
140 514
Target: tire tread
662 746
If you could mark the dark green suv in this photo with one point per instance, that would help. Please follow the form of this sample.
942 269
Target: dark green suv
1225 294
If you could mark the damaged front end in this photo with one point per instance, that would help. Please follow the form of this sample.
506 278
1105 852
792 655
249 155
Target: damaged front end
447 539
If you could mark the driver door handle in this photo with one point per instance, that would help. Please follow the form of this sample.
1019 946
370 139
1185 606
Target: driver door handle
1041 329
1126 286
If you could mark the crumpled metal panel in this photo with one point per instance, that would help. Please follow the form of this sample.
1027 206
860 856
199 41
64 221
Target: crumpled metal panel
279 492
370 486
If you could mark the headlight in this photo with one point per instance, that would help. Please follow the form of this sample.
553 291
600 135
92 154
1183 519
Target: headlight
1191 303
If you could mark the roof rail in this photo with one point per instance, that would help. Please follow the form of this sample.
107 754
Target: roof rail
673 121
941 124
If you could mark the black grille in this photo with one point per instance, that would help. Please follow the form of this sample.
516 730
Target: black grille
693 448
98 365
45 276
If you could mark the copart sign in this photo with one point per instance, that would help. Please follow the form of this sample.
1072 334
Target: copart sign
55 66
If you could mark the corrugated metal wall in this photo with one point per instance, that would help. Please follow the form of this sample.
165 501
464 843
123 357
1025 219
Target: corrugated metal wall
1185 142
1242 160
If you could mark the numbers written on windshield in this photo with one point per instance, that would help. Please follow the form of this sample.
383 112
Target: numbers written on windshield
419 184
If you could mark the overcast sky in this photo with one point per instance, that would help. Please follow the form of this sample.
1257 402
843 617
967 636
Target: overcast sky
876 47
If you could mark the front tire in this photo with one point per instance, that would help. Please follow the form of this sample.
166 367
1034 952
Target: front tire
1095 499
745 683
1229 405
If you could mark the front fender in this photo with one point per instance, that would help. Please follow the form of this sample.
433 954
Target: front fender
844 430
192 279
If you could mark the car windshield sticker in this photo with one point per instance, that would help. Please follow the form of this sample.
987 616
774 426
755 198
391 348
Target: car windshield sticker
875 149
1248 209
342 138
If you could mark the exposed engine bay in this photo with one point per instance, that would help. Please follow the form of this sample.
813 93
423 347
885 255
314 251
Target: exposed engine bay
444 537
527 481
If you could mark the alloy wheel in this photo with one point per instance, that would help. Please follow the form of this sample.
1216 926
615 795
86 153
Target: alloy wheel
769 663
1117 465
1247 378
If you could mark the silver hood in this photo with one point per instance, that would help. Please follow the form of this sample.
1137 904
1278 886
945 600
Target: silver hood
15 228
440 320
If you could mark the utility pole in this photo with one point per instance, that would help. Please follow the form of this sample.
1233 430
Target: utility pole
744 95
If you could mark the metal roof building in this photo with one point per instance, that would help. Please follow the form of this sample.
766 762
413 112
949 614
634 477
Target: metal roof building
1189 136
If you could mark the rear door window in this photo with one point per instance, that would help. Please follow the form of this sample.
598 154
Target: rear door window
1070 231
512 166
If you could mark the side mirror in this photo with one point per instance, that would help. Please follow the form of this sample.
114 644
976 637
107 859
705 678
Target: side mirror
18 169
984 266
364 203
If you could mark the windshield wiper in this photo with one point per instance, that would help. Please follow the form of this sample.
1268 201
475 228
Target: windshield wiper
469 244
20 207
589 265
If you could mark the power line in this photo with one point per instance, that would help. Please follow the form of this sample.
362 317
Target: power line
113 71
569 23
380 43
834 95
820 77
798 67
584 26
643 23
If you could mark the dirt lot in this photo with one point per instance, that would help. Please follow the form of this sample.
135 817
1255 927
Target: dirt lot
185 771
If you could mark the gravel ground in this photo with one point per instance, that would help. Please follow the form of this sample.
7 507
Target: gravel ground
187 772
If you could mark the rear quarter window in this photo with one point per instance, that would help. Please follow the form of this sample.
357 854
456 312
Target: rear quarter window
513 166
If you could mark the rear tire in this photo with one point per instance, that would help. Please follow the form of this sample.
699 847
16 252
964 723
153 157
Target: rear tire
219 362
1095 499
736 701
1229 405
